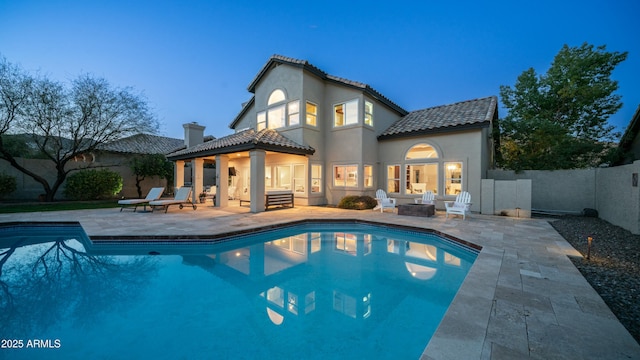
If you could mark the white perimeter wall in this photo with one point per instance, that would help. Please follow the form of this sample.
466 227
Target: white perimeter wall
611 191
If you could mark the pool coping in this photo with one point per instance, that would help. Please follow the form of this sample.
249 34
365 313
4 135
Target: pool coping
228 236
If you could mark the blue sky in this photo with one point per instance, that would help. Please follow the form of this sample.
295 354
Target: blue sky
193 60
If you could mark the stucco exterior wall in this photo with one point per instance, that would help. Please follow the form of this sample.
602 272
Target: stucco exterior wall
618 197
612 191
506 197
565 191
29 190
459 147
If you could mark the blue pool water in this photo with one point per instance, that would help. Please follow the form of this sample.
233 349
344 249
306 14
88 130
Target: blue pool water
345 291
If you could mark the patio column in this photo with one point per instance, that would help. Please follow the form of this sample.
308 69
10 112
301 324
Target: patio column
197 170
178 178
257 180
222 180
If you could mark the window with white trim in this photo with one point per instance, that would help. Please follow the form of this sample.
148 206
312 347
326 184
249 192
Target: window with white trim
298 179
368 176
293 112
368 113
316 178
312 114
275 117
421 151
276 96
282 177
393 178
421 171
452 178
261 120
345 175
278 113
421 178
345 114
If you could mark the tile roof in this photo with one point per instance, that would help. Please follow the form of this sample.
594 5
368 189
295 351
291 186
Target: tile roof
465 114
266 139
304 64
143 144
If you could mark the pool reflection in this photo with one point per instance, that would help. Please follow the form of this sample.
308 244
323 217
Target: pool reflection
295 276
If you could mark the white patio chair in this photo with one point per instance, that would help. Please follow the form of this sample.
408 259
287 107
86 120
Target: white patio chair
428 198
461 206
384 202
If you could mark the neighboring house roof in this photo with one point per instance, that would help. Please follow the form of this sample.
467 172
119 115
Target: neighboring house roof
144 144
462 115
631 133
276 60
266 139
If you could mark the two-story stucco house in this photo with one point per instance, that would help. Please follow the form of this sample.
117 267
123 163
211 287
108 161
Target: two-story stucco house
323 137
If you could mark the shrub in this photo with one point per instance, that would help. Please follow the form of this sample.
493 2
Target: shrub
355 202
8 184
93 185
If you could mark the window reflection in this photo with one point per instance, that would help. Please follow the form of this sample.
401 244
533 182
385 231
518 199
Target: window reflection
422 251
452 260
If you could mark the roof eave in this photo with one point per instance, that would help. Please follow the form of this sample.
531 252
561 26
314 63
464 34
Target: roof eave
240 148
440 130
243 111
275 59
632 130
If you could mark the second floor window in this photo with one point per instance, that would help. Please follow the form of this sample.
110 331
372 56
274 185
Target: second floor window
312 114
278 113
368 113
346 113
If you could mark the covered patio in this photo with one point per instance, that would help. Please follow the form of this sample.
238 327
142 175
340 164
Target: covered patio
259 162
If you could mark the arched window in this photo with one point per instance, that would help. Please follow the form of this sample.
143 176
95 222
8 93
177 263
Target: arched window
278 114
276 96
422 176
422 151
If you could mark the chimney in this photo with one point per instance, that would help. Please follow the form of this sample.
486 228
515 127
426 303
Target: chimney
193 134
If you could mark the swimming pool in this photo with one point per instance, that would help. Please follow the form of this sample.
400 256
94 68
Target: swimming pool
306 291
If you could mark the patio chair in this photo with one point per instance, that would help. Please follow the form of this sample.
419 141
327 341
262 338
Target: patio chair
384 202
428 198
461 206
182 197
154 194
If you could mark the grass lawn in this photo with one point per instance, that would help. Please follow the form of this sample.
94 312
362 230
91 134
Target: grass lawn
18 207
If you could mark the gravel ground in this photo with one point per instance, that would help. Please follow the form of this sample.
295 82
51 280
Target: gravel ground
614 265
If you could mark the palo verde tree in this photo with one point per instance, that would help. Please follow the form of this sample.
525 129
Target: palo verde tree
559 120
64 122
150 165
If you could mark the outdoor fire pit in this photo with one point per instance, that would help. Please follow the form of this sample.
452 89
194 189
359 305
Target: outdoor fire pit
424 210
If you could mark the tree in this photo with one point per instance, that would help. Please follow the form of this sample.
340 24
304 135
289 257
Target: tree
63 123
150 165
560 120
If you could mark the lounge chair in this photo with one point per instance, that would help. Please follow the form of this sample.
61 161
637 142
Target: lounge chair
182 197
154 194
384 202
428 198
461 206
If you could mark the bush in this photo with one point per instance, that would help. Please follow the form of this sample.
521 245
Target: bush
8 184
354 202
93 185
